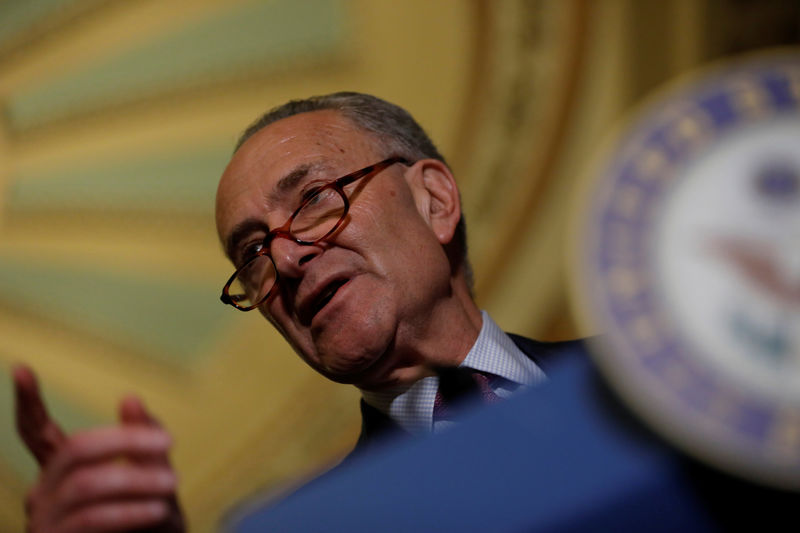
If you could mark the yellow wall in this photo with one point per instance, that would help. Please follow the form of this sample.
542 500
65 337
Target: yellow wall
118 116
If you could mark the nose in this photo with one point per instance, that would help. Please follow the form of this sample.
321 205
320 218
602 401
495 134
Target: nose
290 257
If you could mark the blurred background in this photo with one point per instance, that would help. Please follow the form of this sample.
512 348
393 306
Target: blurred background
118 116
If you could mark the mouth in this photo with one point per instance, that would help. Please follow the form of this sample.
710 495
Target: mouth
323 298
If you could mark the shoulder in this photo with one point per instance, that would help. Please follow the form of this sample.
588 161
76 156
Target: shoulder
376 428
546 354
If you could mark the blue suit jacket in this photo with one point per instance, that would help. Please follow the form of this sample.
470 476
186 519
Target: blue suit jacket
566 456
377 427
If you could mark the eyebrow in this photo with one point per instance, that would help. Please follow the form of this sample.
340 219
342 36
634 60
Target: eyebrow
290 180
285 185
293 178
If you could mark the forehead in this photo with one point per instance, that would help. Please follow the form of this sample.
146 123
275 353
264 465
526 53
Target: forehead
324 142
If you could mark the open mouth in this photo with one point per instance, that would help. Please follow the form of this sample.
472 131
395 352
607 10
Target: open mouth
327 294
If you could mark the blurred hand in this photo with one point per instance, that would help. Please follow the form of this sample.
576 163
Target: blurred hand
115 478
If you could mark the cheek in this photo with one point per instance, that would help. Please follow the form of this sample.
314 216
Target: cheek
277 315
394 218
299 340
267 313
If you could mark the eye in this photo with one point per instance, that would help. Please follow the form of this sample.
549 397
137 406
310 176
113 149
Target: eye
249 250
309 193
320 196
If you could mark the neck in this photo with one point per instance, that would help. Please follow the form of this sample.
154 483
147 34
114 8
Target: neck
440 337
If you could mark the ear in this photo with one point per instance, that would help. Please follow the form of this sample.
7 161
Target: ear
436 196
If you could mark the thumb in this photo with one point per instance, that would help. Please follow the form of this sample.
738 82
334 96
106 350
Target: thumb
40 433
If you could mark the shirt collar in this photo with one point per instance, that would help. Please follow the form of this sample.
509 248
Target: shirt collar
493 352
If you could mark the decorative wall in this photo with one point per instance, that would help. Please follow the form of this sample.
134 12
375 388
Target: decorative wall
118 116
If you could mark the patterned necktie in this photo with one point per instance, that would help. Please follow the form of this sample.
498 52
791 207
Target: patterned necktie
459 384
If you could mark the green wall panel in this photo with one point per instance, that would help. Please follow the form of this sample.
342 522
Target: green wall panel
180 182
17 17
259 36
173 323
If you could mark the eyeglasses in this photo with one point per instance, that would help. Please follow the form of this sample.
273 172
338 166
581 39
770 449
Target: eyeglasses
319 216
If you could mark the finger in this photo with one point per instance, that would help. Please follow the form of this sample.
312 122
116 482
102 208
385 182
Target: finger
115 516
133 411
114 481
105 443
38 431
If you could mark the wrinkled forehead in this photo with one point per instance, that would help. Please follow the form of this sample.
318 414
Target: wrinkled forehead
322 143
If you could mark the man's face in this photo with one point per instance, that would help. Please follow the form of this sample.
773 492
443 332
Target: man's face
355 305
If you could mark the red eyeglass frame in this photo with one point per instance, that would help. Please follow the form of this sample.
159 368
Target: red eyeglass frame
283 231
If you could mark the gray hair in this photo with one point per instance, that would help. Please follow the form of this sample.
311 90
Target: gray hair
391 125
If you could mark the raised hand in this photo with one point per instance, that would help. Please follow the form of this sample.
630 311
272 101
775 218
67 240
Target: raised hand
114 478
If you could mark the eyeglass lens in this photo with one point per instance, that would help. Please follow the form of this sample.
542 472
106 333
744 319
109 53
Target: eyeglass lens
318 216
315 220
253 282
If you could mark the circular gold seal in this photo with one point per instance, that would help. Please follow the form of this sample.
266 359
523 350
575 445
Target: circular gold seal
689 263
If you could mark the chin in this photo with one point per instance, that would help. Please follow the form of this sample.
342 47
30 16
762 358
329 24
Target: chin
347 367
348 353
